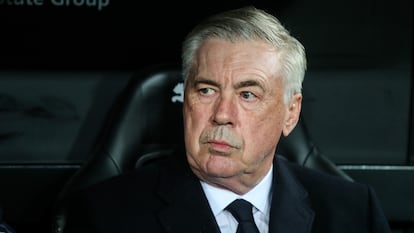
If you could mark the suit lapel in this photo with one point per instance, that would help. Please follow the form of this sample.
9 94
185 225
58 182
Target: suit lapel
290 211
187 208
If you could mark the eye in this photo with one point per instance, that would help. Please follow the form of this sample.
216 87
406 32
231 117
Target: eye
247 95
206 91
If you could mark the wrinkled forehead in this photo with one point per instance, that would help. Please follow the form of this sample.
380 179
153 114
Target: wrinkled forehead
225 59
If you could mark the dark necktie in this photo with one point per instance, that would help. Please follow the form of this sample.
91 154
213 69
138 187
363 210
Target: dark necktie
242 212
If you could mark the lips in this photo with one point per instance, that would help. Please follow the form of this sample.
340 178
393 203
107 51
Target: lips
220 139
220 146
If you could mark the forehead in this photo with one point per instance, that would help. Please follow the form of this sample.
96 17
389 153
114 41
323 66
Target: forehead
247 58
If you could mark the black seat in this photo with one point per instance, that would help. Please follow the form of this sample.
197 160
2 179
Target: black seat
146 123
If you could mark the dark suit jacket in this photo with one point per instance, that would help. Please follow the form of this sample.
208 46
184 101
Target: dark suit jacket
166 197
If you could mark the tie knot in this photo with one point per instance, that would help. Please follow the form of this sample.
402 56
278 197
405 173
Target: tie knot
241 210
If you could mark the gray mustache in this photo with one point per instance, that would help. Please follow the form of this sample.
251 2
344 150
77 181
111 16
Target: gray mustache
221 133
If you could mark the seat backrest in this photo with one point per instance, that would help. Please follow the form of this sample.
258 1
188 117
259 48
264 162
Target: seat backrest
146 122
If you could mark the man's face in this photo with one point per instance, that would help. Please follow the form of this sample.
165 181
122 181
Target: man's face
234 113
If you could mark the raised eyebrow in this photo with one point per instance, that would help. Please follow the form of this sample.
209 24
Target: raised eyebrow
200 80
248 83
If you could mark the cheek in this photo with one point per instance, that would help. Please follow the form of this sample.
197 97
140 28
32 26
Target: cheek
267 127
194 120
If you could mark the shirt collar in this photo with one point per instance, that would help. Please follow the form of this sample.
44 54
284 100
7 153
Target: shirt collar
259 196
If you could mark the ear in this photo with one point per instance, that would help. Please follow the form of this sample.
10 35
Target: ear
293 112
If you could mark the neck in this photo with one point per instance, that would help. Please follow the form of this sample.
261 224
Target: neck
240 184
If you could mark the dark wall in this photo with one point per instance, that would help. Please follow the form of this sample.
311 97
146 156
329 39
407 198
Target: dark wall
123 34
62 63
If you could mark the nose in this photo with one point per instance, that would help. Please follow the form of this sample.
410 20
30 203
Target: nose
225 111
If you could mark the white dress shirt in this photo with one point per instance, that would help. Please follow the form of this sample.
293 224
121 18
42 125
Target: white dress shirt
259 196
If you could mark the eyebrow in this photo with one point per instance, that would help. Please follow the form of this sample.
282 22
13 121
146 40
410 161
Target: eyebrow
248 83
200 80
242 84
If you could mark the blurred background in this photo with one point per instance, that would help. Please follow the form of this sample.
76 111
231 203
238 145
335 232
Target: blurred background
63 62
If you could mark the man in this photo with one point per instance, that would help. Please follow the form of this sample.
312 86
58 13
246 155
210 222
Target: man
243 79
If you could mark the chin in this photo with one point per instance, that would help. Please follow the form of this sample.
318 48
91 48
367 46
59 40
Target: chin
221 171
